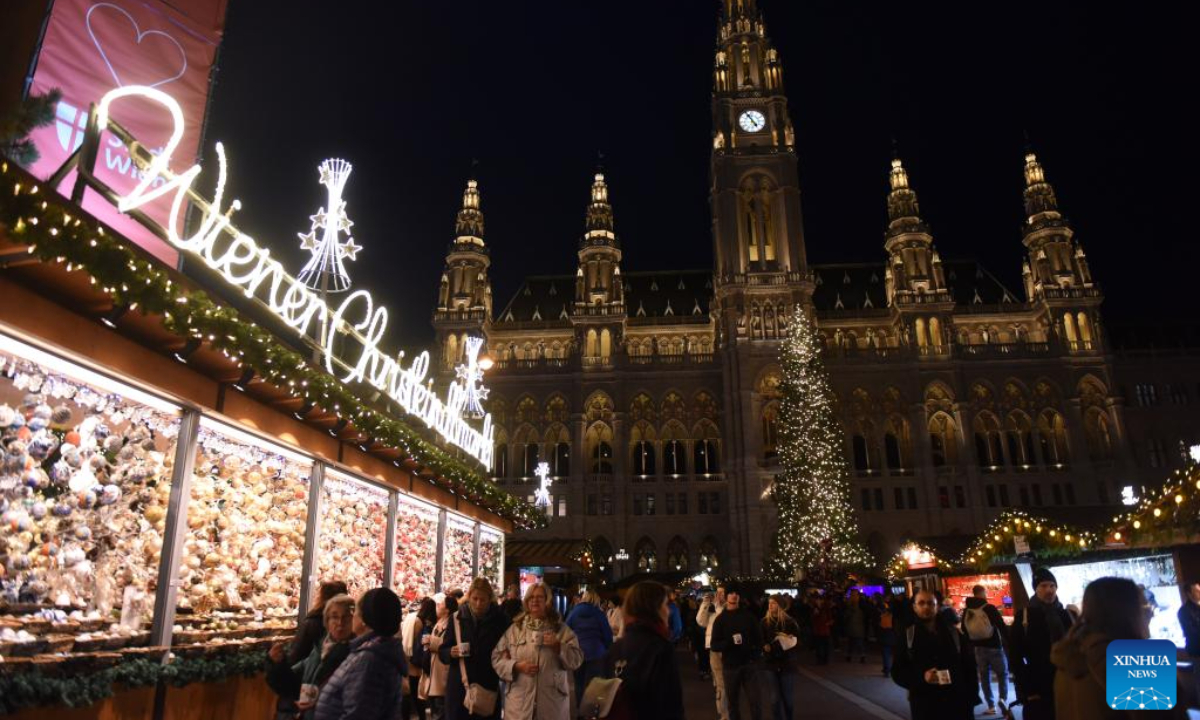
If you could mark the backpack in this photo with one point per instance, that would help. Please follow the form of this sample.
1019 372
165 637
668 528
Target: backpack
978 625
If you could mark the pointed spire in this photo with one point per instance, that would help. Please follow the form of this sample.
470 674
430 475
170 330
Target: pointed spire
1039 194
600 227
469 225
903 210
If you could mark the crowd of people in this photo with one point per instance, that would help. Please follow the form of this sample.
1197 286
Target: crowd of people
470 656
467 656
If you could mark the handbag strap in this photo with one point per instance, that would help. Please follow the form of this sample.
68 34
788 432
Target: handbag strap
462 662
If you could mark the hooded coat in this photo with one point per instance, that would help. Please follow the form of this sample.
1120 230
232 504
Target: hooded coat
547 695
367 686
591 627
1079 685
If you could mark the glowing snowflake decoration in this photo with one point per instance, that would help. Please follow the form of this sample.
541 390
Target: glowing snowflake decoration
1141 699
542 495
471 375
326 269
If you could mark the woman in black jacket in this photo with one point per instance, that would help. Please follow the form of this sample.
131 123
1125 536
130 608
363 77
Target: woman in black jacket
644 658
483 623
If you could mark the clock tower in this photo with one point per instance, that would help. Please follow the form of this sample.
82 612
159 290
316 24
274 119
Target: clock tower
761 271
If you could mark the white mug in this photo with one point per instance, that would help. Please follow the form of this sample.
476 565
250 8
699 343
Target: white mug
464 649
943 677
308 693
737 638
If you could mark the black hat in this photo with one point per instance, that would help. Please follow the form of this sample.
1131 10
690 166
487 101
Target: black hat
381 611
1042 575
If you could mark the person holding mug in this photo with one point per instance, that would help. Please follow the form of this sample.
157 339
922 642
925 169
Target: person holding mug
936 664
298 684
467 648
537 658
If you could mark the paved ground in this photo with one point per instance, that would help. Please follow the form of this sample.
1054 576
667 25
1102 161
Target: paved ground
832 692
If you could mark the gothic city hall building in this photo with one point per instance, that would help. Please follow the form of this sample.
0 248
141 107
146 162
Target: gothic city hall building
653 395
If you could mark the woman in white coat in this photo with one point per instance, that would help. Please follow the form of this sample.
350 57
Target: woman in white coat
537 658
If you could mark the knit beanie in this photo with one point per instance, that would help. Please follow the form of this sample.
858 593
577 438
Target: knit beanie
381 611
1042 575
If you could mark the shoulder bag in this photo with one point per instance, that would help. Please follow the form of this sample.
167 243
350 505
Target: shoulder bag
478 700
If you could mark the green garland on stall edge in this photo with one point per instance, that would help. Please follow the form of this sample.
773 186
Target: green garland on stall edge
23 690
58 236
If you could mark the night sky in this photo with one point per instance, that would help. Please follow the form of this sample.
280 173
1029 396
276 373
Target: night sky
411 93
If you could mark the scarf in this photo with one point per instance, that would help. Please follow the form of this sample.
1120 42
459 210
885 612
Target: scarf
1053 614
655 626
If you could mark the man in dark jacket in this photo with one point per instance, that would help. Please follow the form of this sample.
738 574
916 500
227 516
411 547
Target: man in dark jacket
368 684
985 628
934 662
738 637
1189 622
512 602
1035 630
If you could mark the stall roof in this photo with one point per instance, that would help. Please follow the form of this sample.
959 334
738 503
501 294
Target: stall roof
552 552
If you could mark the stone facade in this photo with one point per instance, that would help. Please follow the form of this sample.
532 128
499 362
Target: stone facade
653 394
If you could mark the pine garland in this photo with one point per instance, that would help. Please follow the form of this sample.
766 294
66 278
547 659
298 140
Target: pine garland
22 690
817 530
56 235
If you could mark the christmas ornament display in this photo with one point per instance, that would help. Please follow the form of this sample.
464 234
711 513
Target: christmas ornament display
246 521
416 549
491 556
459 558
353 526
84 485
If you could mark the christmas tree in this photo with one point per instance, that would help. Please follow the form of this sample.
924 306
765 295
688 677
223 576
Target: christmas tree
817 530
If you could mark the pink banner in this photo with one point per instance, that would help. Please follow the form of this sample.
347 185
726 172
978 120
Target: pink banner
93 47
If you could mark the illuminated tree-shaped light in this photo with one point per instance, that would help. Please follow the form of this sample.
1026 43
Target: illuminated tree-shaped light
817 531
326 270
542 495
471 375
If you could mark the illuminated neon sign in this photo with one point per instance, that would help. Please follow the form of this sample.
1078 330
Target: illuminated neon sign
240 260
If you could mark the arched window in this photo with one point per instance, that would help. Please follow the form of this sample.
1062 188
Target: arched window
599 448
935 332
677 554
501 461
647 555
922 338
530 460
605 344
989 447
943 437
558 445
861 463
1052 435
643 458
1098 435
710 560
770 431
451 350
1085 330
562 460
1069 329
592 347
1019 432
705 459
897 444
674 450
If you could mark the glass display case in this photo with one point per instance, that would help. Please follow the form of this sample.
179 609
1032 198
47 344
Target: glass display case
246 519
85 480
352 532
415 571
458 553
491 556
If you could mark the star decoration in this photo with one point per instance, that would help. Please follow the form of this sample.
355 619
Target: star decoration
308 240
350 249
319 219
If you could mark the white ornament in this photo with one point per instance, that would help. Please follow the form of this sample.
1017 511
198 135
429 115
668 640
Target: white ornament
542 495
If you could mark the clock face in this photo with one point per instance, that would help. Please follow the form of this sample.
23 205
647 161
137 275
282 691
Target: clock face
752 121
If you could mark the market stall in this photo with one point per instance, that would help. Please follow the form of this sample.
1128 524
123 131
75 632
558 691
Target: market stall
175 479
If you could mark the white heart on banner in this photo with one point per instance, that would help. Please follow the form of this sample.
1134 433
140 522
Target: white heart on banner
139 35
